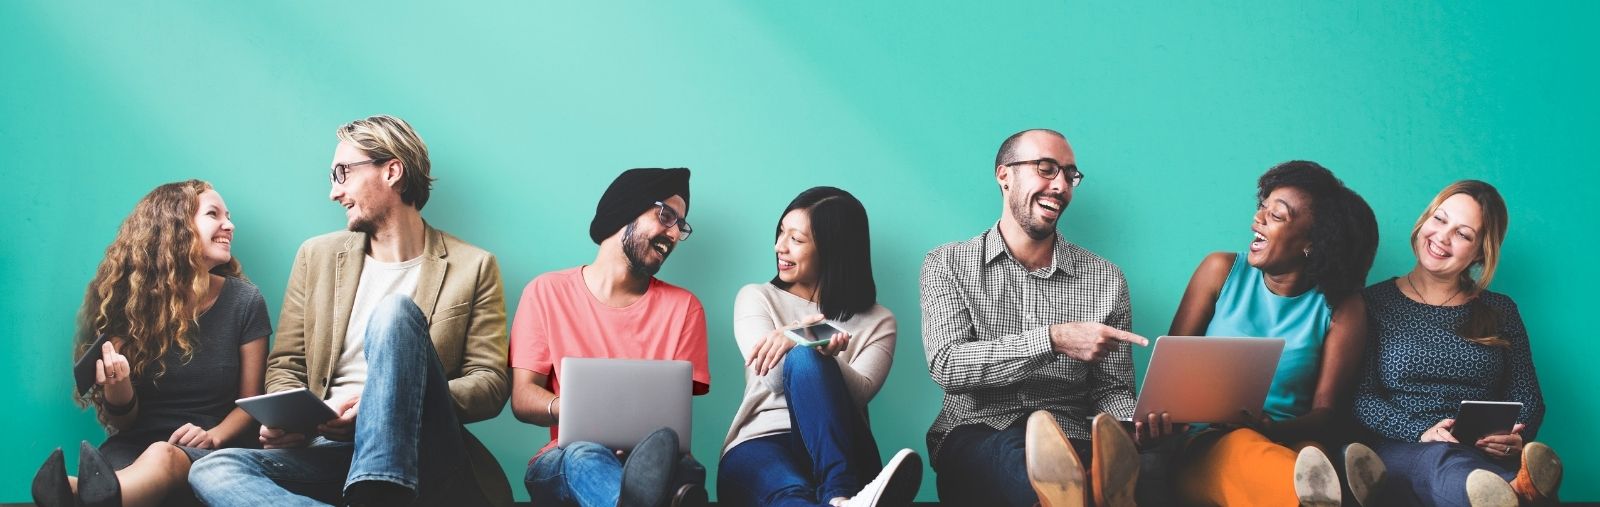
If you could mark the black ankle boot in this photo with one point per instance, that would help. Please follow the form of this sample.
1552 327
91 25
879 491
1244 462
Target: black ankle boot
649 470
97 481
50 486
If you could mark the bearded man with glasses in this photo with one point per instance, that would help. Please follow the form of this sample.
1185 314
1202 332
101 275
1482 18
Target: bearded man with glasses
1029 337
614 307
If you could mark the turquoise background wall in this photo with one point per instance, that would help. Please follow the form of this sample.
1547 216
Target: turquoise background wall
530 108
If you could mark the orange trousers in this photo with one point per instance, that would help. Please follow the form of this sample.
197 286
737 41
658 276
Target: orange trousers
1242 467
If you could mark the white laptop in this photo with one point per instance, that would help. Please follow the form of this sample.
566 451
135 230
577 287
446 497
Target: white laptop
618 402
1205 379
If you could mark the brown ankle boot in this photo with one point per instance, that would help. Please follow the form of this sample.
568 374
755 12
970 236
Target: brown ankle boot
1114 467
1540 476
1053 467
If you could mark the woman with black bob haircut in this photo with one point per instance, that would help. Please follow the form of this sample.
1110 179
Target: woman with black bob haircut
1299 279
801 434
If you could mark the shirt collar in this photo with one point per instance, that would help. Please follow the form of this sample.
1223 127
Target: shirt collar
994 247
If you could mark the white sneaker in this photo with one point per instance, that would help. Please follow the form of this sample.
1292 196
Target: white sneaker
896 485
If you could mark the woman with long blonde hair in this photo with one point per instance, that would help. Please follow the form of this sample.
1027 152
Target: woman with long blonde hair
185 338
1439 337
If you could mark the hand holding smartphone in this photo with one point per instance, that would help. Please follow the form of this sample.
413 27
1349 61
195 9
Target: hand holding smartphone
814 335
84 370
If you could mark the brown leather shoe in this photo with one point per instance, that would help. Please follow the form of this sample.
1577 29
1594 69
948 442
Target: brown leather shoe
1053 467
1486 489
1114 467
1540 476
1364 470
1315 481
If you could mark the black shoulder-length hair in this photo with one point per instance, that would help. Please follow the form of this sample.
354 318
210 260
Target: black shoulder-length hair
844 251
1344 232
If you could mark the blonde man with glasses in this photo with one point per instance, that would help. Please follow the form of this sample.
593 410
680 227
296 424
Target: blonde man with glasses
400 329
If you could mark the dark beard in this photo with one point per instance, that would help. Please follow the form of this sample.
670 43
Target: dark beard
636 249
1035 227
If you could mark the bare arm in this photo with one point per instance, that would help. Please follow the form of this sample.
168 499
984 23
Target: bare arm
1200 298
531 398
115 377
252 366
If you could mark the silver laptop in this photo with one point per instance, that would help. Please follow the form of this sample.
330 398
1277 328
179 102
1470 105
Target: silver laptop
1205 379
617 402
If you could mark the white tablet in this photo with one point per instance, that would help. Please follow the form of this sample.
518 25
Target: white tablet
295 410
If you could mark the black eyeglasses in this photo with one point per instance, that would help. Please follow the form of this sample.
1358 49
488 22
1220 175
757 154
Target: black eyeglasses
341 172
1048 169
669 218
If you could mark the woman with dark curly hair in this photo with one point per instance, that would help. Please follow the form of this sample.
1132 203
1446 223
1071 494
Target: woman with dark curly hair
186 338
1300 280
1440 337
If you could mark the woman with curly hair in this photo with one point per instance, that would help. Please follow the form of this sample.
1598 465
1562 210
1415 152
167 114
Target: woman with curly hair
1300 280
186 337
1440 337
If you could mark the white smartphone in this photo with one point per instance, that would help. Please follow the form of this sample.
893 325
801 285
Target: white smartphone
815 335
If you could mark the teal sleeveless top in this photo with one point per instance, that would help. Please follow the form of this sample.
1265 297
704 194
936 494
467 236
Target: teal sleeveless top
1245 307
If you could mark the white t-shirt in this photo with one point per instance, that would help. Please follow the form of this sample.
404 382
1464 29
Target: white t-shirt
378 279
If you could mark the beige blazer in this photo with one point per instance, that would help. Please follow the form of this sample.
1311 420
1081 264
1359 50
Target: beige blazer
460 292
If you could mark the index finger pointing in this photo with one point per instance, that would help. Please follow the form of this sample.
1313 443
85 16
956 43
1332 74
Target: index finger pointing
1125 336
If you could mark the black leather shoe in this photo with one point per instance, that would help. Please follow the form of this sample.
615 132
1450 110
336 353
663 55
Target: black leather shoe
50 486
97 481
649 470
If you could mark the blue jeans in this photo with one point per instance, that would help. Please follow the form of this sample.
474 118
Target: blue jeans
585 473
979 465
830 452
1433 473
406 433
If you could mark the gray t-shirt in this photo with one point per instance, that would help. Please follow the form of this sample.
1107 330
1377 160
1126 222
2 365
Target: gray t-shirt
202 390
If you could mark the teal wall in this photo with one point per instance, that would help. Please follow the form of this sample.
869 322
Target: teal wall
530 108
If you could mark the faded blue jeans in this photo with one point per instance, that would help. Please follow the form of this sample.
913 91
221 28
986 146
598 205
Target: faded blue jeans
406 433
589 475
585 473
829 451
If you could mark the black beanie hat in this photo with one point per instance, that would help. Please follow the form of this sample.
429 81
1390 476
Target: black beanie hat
634 191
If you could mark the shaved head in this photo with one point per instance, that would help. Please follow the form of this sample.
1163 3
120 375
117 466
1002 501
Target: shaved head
1008 148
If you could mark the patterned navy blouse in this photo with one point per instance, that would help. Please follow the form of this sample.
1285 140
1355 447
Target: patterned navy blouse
1418 370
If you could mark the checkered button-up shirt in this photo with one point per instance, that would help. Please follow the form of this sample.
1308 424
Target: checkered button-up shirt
986 331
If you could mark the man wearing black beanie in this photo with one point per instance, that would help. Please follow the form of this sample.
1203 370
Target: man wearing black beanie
612 308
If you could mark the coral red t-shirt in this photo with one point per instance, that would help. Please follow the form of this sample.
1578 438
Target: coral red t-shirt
558 317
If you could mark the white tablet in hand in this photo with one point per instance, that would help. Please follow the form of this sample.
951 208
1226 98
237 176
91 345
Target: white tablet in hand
295 410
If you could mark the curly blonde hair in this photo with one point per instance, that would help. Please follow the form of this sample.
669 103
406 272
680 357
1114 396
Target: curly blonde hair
147 290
